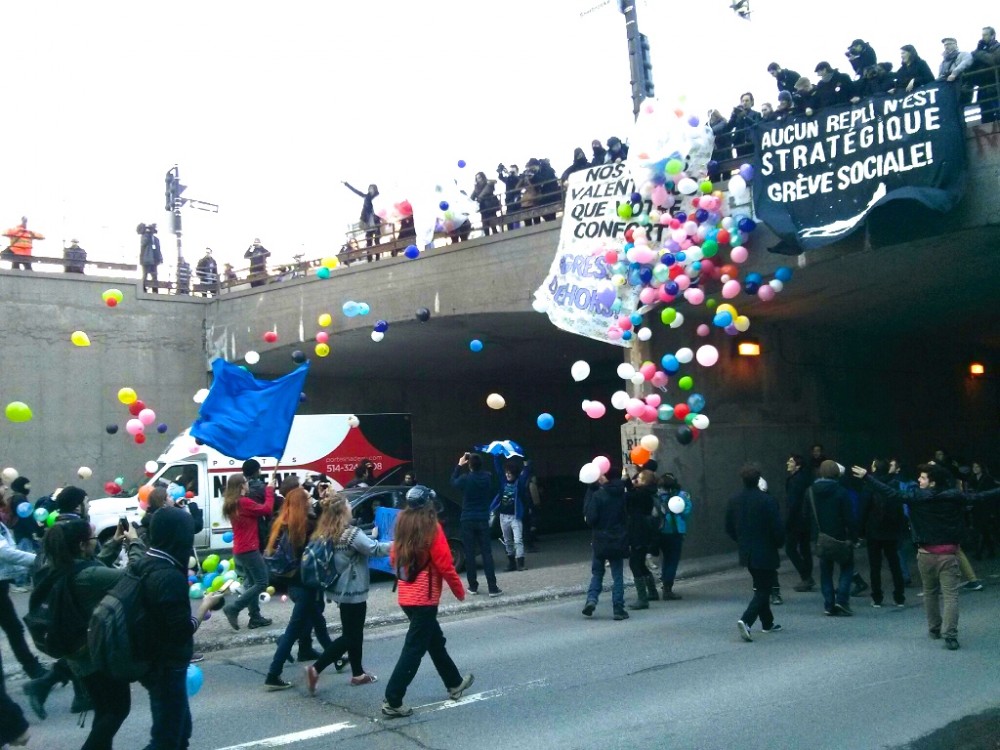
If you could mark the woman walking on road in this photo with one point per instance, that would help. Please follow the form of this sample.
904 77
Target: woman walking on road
422 559
351 548
243 513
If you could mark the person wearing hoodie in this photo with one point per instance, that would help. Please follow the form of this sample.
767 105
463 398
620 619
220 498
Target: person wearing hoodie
242 512
169 646
829 506
617 151
604 512
580 163
913 71
937 521
861 55
511 504
476 486
422 560
600 153
882 523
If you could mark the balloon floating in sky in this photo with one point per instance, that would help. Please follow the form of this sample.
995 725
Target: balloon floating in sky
495 401
80 338
545 421
84 472
18 411
580 370
475 345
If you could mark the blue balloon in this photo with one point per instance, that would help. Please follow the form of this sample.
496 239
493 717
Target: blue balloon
175 491
671 288
363 308
412 252
668 259
696 402
670 363
206 582
443 205
636 198
681 217
227 537
461 163
24 510
162 427
682 256
476 345
783 274
700 215
195 679
723 319
626 335
755 278
747 225
646 275
381 326
665 413
350 308
545 421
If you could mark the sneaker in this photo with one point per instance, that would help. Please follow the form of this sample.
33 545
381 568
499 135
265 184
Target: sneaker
829 612
859 588
495 592
744 631
312 677
877 605
620 614
456 692
588 608
776 600
339 664
259 622
197 656
804 586
934 634
844 609
473 591
976 585
363 679
395 712
899 605
951 644
272 683
232 616
775 628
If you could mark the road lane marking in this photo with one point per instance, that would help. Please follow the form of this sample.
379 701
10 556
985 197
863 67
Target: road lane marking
479 697
288 739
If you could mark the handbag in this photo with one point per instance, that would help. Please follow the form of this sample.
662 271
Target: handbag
828 548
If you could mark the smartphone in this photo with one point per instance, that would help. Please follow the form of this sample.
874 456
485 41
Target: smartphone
123 524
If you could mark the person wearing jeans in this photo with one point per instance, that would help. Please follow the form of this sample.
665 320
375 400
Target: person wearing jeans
511 505
671 536
243 512
475 484
604 511
830 508
882 522
13 562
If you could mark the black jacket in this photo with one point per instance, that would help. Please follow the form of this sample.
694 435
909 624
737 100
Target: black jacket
917 71
862 59
881 518
579 164
838 90
639 508
600 154
833 510
604 512
877 86
754 522
477 493
786 80
76 258
799 514
741 123
207 270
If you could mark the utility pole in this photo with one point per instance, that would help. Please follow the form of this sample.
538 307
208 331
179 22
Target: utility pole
174 203
640 65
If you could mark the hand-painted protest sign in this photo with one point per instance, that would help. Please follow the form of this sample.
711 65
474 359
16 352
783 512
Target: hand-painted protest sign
818 177
578 294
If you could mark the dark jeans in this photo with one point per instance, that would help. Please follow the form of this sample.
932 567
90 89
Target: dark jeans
12 721
890 548
307 615
351 640
637 561
597 581
168 703
799 551
424 636
760 605
254 581
112 701
843 593
476 538
149 274
670 547
11 625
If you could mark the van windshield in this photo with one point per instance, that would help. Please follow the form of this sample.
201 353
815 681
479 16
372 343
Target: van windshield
130 488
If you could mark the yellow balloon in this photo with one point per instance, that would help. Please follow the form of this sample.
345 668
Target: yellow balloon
270 590
325 319
330 262
127 396
726 307
115 294
322 350
742 323
80 338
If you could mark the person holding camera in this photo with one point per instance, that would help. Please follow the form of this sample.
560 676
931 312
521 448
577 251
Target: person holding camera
150 256
861 55
741 123
476 486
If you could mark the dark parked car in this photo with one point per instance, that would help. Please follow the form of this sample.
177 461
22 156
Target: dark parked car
363 501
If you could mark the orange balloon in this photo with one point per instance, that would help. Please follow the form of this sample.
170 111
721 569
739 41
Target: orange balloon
144 492
639 455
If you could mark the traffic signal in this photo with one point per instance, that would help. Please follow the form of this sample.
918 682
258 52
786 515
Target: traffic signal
646 66
174 189
642 67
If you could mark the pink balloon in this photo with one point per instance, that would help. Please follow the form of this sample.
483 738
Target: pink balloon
695 296
602 463
648 295
148 416
614 333
322 337
704 330
644 255
134 427
654 400
660 379
635 408
625 323
648 369
648 415
659 195
596 410
731 289
678 235
739 254
665 295
766 293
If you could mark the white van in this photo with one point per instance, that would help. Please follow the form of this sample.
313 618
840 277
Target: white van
318 444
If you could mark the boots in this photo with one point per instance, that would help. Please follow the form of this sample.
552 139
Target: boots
668 593
520 563
511 564
651 589
38 692
642 594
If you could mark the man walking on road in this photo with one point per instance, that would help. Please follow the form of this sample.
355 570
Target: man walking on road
754 522
604 512
476 487
797 545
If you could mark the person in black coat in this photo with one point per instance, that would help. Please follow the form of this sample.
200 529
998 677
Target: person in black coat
797 524
512 197
580 163
784 77
985 516
882 523
830 507
833 87
604 512
913 71
861 55
754 522
741 123
600 153
642 539
875 81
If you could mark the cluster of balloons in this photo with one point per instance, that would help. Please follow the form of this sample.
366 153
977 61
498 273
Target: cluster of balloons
18 411
352 308
142 417
112 297
591 472
326 266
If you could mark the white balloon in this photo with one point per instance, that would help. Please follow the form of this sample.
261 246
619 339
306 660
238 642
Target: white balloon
377 336
678 321
353 421
84 472
684 355
495 401
619 400
650 443
776 284
676 504
589 473
580 370
737 184
638 379
251 357
201 395
10 474
625 371
707 355
540 305
265 597
151 467
644 334
700 421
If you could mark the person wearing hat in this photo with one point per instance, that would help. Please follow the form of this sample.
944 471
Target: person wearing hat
150 256
785 106
833 87
784 77
422 560
75 257
913 71
953 64
861 55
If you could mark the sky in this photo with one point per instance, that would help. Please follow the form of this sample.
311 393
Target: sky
266 107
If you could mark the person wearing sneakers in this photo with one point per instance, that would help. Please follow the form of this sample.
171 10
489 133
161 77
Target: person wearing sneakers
243 512
422 560
476 486
604 512
754 522
351 550
882 523
830 508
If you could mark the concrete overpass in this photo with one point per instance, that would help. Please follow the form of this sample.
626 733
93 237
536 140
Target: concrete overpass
867 351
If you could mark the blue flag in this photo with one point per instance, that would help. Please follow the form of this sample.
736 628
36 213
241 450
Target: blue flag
243 417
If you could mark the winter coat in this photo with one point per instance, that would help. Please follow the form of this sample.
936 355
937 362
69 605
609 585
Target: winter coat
207 270
639 508
547 184
477 493
834 510
600 156
741 123
579 164
13 561
512 197
917 70
149 250
954 64
786 80
368 217
75 257
673 523
604 512
425 590
246 534
877 86
862 59
753 521
257 255
985 55
799 514
838 90
486 197
881 518
350 556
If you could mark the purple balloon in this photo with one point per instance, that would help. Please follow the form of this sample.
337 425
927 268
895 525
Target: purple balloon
746 172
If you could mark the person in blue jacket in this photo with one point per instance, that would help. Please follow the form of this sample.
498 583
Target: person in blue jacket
511 504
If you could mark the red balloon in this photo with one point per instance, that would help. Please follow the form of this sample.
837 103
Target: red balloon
676 270
723 237
681 411
135 407
270 337
140 439
189 494
629 234
111 302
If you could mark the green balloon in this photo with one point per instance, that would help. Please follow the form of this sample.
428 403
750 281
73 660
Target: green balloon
210 563
690 418
668 315
709 248
686 383
625 210
710 303
18 411
674 166
51 518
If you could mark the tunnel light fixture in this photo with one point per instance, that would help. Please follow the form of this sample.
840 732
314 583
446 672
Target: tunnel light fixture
748 348
976 369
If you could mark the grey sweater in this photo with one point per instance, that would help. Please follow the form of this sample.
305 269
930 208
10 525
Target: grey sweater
351 553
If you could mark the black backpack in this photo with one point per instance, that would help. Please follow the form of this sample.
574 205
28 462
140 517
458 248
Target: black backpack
283 562
113 635
55 621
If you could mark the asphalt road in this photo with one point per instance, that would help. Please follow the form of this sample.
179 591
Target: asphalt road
675 676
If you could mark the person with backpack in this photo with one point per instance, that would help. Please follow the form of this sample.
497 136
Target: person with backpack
13 562
242 512
290 532
422 560
165 626
68 588
351 550
672 531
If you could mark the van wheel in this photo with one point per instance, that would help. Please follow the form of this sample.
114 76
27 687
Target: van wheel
457 554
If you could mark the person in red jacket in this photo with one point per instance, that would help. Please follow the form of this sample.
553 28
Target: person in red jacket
422 559
21 242
243 513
